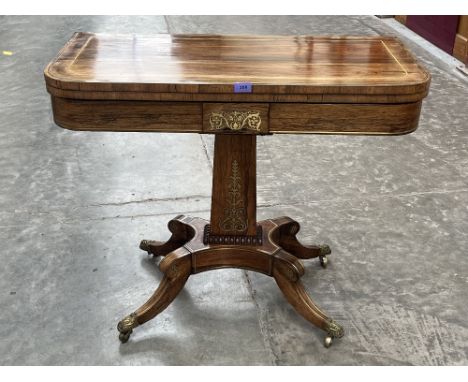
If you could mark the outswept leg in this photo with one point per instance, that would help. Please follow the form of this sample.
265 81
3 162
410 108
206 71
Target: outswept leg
181 234
176 268
285 237
287 277
276 255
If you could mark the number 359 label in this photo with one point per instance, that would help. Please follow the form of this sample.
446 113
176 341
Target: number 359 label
242 87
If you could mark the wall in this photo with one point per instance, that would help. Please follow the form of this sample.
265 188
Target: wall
460 46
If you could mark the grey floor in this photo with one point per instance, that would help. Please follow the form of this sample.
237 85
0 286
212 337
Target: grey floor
74 206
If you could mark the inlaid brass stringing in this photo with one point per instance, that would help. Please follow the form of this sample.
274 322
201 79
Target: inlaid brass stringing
235 213
235 120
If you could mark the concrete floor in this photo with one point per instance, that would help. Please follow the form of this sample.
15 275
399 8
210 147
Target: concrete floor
74 206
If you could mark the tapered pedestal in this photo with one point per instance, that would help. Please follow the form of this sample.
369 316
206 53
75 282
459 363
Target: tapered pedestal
233 239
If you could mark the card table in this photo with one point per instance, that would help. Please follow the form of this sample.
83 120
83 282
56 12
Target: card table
236 87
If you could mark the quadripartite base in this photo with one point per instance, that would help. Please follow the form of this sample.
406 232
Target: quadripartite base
190 251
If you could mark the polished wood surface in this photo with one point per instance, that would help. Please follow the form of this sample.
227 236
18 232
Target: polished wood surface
182 117
344 119
179 83
212 63
194 117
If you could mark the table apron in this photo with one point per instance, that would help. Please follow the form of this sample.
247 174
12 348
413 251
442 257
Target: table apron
237 118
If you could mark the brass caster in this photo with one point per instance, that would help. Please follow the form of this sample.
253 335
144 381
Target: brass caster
328 341
323 261
123 337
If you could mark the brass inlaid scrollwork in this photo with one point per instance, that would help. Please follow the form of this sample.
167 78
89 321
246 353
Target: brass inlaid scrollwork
235 120
235 214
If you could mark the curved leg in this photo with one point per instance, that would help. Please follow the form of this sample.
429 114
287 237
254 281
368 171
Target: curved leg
181 234
177 268
285 237
278 256
295 293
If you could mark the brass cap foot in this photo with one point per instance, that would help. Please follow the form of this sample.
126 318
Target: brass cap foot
126 326
325 250
334 329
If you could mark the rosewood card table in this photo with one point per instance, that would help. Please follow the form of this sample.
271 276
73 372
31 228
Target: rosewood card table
235 87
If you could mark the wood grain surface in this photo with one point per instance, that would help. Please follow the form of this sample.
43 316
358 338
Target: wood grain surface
127 115
285 118
349 118
212 63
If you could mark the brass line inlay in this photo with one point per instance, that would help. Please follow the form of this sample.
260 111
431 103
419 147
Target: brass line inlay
85 45
396 59
307 79
235 120
235 213
340 132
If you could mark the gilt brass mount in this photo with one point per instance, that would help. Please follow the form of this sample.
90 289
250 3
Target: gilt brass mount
235 120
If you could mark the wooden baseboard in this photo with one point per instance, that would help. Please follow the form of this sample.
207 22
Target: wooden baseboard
401 19
460 48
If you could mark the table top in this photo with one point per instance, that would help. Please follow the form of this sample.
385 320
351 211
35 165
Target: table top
322 68
236 84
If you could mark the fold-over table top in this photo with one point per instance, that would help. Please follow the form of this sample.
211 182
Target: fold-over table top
236 84
324 69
